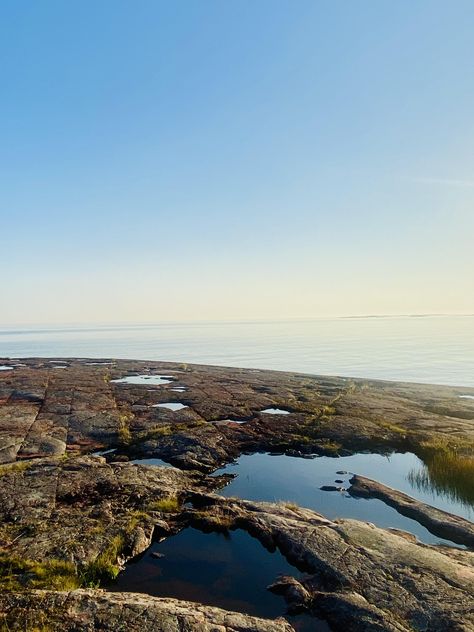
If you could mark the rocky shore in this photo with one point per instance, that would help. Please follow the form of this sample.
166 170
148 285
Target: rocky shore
71 518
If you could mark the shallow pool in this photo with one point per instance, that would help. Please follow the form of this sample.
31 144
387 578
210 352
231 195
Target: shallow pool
156 380
276 478
157 462
231 571
173 406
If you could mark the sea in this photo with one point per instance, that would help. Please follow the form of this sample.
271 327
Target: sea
425 349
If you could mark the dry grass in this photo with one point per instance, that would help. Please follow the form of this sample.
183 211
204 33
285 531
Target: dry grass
288 504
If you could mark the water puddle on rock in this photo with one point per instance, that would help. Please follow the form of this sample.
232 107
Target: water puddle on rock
148 380
276 478
174 406
5 367
275 411
158 462
98 363
104 452
466 396
230 571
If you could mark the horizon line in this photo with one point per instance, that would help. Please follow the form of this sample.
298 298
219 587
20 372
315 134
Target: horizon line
151 323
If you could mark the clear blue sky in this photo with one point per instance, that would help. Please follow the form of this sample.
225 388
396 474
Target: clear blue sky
235 159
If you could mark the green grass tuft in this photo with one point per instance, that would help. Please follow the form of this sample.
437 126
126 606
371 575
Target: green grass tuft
105 567
446 472
170 504
19 574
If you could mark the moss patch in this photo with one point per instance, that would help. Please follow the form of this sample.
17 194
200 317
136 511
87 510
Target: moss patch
18 466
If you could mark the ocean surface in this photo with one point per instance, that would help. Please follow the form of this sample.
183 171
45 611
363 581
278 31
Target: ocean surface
437 349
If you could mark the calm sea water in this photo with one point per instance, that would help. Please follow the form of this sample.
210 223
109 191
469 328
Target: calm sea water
437 349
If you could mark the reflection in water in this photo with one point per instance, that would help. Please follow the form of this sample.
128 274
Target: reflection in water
156 380
174 406
230 571
283 478
104 452
449 474
152 461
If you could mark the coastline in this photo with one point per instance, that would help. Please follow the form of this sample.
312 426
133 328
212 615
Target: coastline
91 513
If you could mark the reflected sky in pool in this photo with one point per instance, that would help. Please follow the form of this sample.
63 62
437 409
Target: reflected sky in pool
149 380
230 571
276 478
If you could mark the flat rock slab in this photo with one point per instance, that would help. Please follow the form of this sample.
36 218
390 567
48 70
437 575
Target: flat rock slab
440 523
70 509
59 502
89 610
46 411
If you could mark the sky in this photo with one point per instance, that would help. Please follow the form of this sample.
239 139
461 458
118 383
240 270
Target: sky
211 159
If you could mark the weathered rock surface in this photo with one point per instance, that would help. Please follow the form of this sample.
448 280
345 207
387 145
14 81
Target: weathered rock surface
46 411
359 577
71 509
440 523
59 503
89 610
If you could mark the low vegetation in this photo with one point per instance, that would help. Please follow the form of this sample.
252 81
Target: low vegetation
135 519
446 471
393 428
18 574
288 504
221 521
124 433
327 411
18 466
106 566
169 504
159 431
165 430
